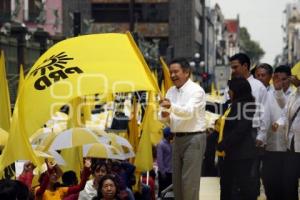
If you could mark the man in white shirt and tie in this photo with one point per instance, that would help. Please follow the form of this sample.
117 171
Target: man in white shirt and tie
184 109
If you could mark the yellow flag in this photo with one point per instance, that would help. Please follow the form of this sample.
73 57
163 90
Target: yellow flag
3 137
162 88
74 159
21 78
167 78
213 90
134 131
150 125
87 108
221 124
154 74
99 63
73 156
5 110
18 146
296 70
84 65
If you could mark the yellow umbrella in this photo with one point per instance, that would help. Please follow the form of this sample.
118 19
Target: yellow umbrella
3 137
122 145
296 70
42 154
100 150
39 136
72 138
102 135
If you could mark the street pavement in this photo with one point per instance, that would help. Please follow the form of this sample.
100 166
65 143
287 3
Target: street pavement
210 189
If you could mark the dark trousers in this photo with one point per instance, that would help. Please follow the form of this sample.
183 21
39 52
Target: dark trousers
164 181
272 174
258 164
291 175
237 179
209 167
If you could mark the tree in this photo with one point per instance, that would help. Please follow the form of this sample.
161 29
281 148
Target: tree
250 47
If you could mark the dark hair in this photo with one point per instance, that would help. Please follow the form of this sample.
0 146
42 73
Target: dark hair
42 177
98 164
13 189
242 58
266 67
116 166
283 69
69 178
100 185
183 62
241 90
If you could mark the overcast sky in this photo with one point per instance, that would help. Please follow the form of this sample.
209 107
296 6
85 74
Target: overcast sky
262 18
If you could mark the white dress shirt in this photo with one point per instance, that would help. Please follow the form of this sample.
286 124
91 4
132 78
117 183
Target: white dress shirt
187 112
259 92
275 141
292 105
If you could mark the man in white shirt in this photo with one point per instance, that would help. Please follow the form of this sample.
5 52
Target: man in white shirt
184 109
290 121
240 67
263 72
275 155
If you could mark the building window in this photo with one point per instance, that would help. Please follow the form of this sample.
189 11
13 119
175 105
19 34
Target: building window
119 12
108 12
5 10
152 12
33 9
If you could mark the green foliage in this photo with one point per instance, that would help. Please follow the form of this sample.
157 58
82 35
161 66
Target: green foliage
250 47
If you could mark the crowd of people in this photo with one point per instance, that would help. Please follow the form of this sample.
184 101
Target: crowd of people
100 179
257 138
272 157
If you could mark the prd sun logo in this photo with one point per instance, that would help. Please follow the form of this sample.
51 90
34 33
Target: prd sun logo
50 63
52 70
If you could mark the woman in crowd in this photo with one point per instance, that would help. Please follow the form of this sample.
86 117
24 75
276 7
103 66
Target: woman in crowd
99 169
238 143
50 189
108 188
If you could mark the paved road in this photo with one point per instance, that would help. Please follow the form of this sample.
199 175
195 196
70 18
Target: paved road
210 189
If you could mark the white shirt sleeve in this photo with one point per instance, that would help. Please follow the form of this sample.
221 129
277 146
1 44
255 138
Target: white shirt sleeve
263 122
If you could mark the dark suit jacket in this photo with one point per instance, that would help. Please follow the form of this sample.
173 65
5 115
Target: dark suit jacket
238 142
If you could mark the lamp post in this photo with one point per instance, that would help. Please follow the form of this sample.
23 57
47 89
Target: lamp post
19 32
198 67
